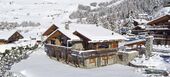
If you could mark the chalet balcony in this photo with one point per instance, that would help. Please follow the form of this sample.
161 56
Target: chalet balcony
160 36
57 51
57 47
95 53
52 50
159 26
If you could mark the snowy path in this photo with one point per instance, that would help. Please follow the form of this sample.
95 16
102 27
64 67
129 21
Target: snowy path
39 65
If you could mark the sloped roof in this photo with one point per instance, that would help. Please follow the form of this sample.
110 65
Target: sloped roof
95 33
5 35
99 33
161 19
52 28
92 32
67 33
141 21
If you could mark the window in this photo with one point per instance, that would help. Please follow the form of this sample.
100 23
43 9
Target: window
93 60
104 58
110 57
121 57
103 45
53 42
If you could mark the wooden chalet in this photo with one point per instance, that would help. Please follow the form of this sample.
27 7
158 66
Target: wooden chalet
9 37
160 29
85 46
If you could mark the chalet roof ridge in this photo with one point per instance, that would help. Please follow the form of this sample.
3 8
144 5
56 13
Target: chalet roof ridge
159 19
89 32
46 32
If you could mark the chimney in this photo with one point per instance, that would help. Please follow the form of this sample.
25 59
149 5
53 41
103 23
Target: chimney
149 46
67 26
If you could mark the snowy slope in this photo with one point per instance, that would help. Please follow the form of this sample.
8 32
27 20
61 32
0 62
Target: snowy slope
43 11
40 65
46 12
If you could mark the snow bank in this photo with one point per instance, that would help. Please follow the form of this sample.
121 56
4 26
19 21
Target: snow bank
153 62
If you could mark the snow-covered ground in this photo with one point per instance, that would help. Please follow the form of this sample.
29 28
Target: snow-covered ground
40 65
155 61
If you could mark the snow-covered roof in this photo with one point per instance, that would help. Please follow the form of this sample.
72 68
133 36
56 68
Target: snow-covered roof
86 51
128 52
5 35
69 33
90 31
141 21
135 41
142 26
97 33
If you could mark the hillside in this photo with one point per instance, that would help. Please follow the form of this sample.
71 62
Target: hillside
42 11
111 14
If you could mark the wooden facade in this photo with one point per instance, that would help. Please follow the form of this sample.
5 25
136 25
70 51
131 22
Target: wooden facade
160 29
137 30
3 41
15 37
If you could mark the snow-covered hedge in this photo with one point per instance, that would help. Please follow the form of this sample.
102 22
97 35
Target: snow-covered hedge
15 55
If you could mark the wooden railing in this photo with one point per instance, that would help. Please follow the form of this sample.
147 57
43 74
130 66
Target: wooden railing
63 52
